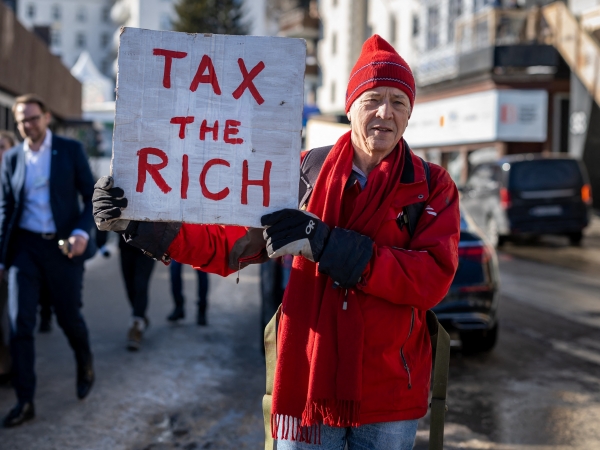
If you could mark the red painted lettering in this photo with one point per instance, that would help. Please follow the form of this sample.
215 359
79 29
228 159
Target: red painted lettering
247 81
231 128
153 169
265 183
185 176
182 122
169 55
210 195
204 128
210 77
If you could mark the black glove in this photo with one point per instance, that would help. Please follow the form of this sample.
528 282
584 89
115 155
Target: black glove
107 203
346 256
294 232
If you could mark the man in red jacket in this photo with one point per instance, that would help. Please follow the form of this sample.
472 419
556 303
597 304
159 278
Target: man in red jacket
354 353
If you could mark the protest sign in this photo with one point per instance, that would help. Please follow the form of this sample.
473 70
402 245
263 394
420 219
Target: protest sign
207 127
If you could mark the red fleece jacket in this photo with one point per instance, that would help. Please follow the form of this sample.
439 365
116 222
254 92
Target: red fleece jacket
405 277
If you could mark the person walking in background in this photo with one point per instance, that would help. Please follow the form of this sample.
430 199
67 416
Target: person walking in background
43 182
178 298
7 140
136 269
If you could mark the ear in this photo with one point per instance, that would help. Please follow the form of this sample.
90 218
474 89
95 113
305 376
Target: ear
348 116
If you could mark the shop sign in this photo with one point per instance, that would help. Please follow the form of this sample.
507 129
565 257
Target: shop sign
495 115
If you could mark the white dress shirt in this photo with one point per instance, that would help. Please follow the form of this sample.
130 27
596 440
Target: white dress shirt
37 213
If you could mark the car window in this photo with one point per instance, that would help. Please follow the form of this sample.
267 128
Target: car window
545 174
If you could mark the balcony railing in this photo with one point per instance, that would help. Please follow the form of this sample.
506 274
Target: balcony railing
496 27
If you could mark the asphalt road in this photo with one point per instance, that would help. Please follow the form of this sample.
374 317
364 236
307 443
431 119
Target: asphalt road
196 387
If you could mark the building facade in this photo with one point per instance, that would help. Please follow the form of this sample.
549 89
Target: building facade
72 26
26 66
490 82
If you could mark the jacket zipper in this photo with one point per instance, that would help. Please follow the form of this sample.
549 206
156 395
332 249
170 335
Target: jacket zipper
412 322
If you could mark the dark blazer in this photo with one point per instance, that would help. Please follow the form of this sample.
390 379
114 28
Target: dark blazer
71 189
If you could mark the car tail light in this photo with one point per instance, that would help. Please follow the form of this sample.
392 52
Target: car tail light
586 194
477 253
505 200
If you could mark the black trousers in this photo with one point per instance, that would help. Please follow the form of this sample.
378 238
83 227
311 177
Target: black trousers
39 265
137 269
177 286
4 330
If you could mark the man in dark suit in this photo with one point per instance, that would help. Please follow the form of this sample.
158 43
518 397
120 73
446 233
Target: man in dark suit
43 182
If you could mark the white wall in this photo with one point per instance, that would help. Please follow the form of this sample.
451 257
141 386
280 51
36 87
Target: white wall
257 15
381 13
579 6
95 27
335 64
148 14
337 19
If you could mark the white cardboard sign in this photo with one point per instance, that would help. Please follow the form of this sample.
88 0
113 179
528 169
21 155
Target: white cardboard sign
207 127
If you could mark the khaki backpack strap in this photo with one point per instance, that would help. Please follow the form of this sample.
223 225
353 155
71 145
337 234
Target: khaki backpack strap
440 341
270 361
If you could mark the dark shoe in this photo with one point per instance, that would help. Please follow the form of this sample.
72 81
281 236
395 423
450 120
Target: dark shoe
134 337
85 379
45 325
22 412
177 314
201 319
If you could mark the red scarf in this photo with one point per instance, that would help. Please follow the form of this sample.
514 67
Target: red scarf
318 378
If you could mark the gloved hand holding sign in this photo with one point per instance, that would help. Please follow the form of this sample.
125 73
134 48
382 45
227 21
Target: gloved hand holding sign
295 232
107 203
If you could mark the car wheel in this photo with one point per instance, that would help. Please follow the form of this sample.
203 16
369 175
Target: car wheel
575 238
480 340
491 231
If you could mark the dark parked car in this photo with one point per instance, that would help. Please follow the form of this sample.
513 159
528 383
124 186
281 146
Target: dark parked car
469 308
529 195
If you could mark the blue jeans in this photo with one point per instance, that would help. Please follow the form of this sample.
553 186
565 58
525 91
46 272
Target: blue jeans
374 436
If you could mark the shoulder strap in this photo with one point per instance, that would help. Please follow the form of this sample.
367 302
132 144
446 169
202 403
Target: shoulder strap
270 363
412 213
309 172
440 343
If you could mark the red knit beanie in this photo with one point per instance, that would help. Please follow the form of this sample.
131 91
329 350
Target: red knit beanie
379 65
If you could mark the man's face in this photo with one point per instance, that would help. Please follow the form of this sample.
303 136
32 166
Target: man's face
31 121
378 119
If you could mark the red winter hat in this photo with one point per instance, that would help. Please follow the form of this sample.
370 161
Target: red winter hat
379 64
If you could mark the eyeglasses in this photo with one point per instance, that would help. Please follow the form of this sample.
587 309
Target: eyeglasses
32 119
